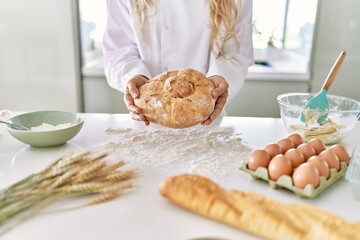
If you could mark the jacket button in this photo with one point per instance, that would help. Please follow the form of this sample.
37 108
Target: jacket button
165 68
166 27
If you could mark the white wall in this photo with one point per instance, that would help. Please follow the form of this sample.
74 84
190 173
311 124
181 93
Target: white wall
338 29
99 97
39 60
257 98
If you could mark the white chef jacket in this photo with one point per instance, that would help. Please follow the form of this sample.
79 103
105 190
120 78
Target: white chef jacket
175 37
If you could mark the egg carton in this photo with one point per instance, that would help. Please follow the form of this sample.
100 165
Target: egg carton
284 181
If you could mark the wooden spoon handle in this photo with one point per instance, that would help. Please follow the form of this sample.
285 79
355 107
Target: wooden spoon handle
334 70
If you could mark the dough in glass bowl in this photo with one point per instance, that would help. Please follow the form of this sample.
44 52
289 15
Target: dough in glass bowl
177 99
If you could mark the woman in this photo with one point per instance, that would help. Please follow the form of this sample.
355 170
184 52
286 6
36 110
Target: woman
144 38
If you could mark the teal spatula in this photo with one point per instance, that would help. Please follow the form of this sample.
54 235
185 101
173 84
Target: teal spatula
319 101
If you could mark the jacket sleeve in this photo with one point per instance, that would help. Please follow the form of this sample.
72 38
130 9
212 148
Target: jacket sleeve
234 65
121 55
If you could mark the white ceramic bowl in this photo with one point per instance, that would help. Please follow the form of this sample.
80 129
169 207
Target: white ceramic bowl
64 126
343 114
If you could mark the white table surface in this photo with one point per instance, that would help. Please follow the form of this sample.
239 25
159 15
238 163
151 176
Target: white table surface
144 213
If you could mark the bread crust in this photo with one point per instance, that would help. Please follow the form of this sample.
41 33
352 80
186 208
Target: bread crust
177 99
254 213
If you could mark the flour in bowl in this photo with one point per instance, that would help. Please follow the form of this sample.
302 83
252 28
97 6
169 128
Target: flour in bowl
49 127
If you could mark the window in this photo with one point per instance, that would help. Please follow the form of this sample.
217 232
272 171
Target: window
92 25
282 35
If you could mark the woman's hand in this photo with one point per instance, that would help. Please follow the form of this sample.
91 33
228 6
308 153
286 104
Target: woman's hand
132 92
221 94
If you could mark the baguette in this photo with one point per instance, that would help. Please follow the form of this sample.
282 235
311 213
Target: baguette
254 213
324 224
204 197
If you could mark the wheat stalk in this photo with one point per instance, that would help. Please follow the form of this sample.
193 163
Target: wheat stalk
88 173
71 175
118 176
103 198
111 168
35 210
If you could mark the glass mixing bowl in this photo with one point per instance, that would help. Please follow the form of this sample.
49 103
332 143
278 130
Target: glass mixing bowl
342 116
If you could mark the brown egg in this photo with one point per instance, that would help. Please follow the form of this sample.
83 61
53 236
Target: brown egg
273 149
278 166
306 150
258 158
306 174
341 153
321 165
285 144
331 159
295 156
317 144
296 139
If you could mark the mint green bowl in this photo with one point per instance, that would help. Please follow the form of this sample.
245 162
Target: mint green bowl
46 137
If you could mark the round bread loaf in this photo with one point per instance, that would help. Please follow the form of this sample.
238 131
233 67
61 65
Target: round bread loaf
177 99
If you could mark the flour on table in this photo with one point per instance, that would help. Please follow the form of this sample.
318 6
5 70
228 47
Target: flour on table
192 150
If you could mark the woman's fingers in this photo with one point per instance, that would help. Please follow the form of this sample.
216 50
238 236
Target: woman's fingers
132 92
133 89
221 93
221 85
219 106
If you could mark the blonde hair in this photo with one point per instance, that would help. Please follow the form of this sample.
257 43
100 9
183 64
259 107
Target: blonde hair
223 17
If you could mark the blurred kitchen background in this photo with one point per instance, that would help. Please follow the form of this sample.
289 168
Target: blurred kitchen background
50 54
